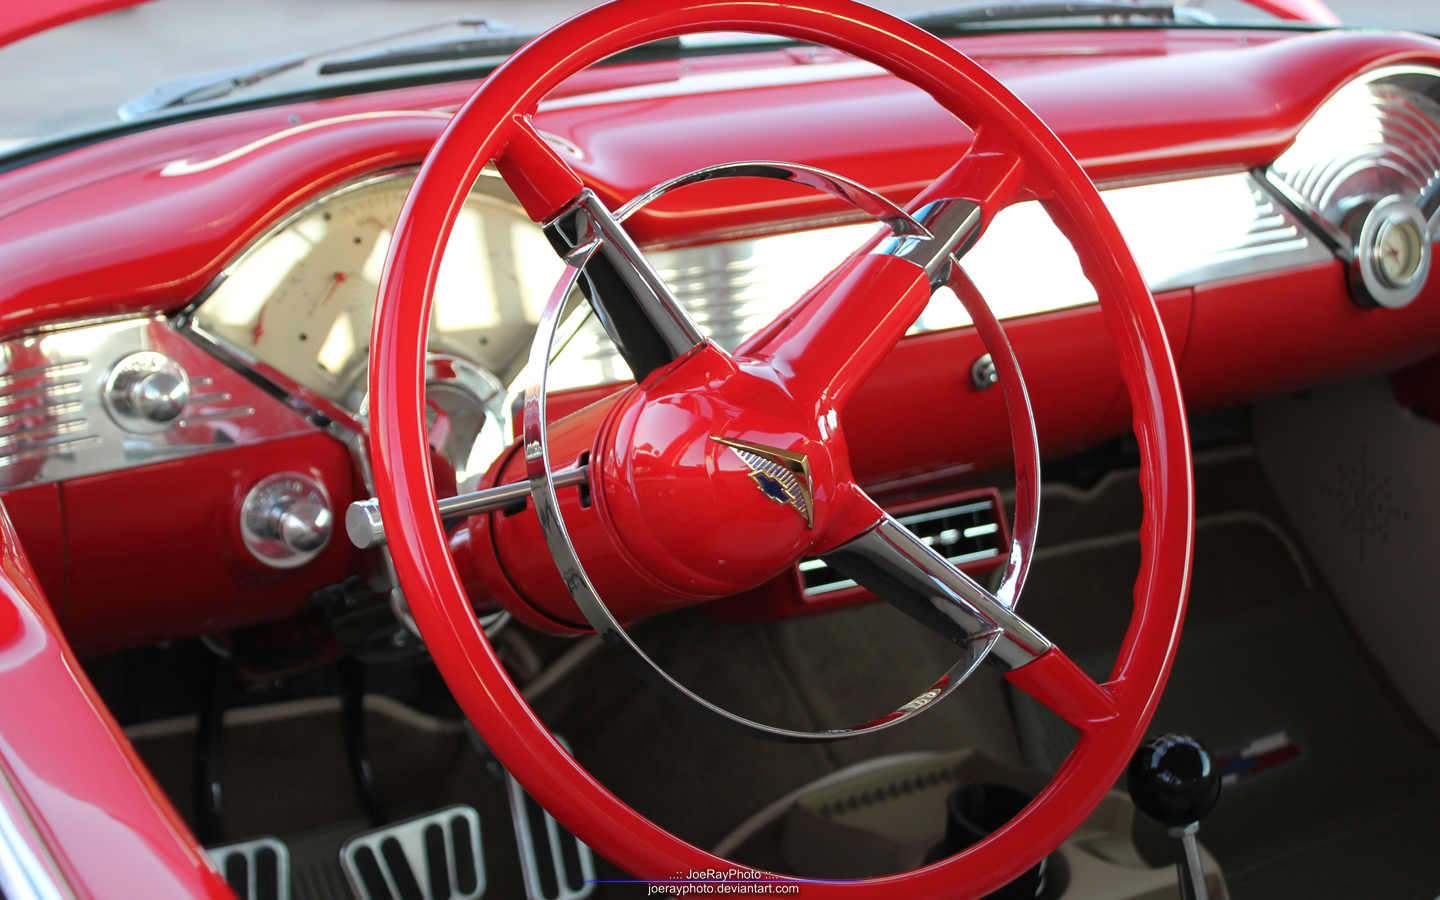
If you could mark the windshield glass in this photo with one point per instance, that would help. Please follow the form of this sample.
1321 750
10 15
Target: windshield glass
78 76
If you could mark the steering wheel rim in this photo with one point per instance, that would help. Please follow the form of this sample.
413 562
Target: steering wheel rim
494 125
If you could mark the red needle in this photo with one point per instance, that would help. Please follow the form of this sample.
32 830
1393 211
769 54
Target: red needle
259 326
340 278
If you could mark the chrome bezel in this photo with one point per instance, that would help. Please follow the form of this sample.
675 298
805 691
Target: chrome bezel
266 548
1390 213
116 393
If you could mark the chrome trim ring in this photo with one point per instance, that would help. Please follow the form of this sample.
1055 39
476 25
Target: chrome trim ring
572 572
1394 215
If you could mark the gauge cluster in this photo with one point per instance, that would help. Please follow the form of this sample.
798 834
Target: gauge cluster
301 299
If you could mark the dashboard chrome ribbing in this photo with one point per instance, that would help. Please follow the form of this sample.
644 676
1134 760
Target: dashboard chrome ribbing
1377 136
1364 175
1183 233
60 417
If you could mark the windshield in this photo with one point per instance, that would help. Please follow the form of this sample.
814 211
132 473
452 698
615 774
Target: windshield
78 76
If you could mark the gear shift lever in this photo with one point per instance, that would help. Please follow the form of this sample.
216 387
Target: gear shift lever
1174 781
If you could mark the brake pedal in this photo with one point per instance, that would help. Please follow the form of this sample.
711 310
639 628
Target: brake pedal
431 857
257 869
555 864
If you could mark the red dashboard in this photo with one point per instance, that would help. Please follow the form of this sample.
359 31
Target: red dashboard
140 224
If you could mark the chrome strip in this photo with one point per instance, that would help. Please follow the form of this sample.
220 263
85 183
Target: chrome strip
366 528
665 314
956 226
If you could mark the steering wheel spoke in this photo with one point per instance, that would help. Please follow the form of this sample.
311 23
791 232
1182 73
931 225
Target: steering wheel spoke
1055 681
637 309
829 342
904 571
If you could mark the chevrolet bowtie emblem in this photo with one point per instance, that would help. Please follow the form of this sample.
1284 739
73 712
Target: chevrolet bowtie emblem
782 475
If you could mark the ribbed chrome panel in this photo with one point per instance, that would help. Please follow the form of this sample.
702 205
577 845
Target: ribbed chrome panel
53 421
1376 137
41 412
1183 233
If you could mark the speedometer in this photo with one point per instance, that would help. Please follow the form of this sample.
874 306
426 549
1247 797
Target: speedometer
302 298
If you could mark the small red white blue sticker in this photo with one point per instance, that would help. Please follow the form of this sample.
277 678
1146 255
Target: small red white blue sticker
1257 757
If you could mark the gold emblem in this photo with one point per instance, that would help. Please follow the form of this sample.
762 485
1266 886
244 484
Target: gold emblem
781 475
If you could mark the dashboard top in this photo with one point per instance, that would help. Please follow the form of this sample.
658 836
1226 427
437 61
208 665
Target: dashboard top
185 199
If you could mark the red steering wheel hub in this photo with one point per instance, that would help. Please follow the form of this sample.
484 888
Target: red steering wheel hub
713 473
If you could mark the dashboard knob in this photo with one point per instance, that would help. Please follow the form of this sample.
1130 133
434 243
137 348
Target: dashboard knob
305 526
145 392
159 396
286 519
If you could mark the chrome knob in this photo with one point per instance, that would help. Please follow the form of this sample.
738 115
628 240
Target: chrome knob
159 396
286 520
363 524
305 526
145 392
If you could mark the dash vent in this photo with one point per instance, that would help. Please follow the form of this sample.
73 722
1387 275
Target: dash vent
964 533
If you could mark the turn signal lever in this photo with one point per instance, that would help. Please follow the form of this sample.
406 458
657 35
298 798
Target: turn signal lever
1174 781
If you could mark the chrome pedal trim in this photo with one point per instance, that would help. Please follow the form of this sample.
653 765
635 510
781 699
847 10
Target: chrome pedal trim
435 856
556 865
257 869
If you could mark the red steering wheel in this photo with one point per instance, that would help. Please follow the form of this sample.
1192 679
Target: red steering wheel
783 390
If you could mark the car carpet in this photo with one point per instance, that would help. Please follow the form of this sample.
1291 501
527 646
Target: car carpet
1265 650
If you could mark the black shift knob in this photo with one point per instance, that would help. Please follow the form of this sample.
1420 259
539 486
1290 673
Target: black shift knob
1173 780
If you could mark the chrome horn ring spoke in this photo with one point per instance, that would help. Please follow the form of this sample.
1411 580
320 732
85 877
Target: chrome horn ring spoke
898 567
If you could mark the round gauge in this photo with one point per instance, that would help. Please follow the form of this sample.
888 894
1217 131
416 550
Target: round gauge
1399 250
1392 254
302 298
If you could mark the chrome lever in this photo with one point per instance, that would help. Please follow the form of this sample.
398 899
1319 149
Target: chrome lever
366 529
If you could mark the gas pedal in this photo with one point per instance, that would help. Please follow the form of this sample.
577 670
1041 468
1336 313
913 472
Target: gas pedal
257 869
555 864
431 857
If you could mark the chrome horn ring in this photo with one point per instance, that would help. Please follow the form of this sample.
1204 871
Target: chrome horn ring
562 548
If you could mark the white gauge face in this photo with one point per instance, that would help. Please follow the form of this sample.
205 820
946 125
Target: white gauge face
303 299
1398 252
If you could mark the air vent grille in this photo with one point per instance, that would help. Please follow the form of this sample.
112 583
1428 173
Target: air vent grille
963 533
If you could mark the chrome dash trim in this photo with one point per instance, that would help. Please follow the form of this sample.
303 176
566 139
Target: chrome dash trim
55 424
1377 136
1184 232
